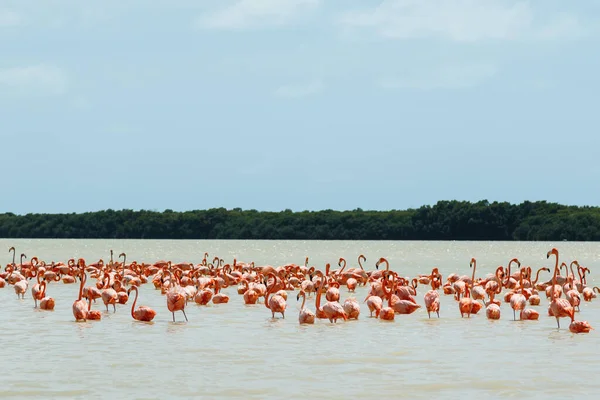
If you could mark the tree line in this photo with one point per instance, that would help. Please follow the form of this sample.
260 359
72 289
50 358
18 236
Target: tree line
446 220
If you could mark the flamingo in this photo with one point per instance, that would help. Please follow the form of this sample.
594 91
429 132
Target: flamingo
518 300
560 308
14 254
276 303
387 313
477 291
79 306
37 291
401 306
21 288
589 293
94 315
432 297
175 298
534 299
109 295
374 303
218 297
203 296
306 316
492 311
143 313
46 303
580 326
351 308
250 295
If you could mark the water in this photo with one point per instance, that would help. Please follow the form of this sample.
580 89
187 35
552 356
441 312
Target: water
237 351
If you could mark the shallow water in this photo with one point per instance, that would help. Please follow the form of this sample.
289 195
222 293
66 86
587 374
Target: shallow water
237 351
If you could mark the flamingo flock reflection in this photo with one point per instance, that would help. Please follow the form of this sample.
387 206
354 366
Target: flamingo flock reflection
388 293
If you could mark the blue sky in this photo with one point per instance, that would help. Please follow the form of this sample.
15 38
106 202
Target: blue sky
300 104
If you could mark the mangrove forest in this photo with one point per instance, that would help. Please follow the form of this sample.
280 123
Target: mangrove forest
446 220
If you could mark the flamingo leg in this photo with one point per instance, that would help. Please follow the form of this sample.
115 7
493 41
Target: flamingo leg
173 316
558 322
438 313
186 320
114 308
514 315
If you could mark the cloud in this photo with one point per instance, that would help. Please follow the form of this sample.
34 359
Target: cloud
299 90
9 18
446 77
246 14
460 20
33 79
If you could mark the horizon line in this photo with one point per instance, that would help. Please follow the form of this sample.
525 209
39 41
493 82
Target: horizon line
357 209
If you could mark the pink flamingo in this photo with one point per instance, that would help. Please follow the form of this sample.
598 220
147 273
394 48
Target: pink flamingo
37 291
580 326
306 316
334 311
432 297
46 303
319 313
79 306
218 297
492 311
572 294
518 300
351 308
143 313
401 306
175 298
250 295
529 314
109 295
534 299
203 296
560 308
387 313
276 303
589 293
93 315
374 303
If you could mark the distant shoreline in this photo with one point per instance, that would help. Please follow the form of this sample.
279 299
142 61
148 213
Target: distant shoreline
444 221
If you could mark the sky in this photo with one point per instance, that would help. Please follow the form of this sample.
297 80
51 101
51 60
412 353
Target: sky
297 104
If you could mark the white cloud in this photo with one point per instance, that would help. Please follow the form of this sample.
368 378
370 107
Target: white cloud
446 77
299 90
460 20
9 18
246 14
33 79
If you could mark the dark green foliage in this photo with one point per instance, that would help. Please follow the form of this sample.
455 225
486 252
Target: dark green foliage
447 220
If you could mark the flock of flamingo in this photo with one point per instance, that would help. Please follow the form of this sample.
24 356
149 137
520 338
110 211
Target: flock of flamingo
388 292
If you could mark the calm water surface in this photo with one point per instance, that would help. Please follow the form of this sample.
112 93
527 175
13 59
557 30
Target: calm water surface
237 351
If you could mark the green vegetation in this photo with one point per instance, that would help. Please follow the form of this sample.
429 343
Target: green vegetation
447 220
